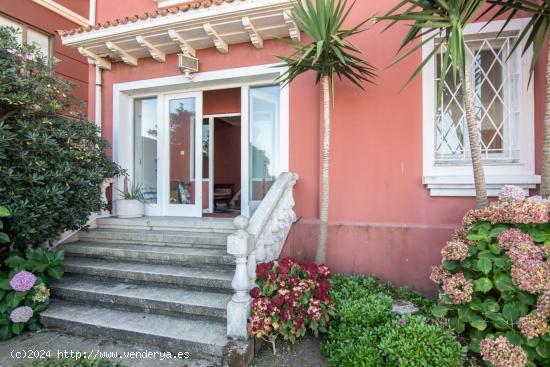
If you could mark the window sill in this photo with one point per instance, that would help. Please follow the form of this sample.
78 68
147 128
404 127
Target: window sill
464 185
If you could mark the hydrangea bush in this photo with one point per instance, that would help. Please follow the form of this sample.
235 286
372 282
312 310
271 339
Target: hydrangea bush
24 289
495 280
290 299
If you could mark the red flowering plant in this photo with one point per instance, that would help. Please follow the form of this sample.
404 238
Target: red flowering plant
290 299
495 280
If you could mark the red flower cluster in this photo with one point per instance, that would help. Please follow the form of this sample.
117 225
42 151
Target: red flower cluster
289 299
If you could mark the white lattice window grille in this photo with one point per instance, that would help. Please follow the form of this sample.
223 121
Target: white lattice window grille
504 109
494 79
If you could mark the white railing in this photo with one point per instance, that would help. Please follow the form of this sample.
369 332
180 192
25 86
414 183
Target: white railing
258 240
103 186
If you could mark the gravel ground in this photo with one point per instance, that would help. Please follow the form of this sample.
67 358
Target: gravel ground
305 353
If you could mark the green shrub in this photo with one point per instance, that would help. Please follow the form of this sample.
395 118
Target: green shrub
417 343
495 274
69 362
52 160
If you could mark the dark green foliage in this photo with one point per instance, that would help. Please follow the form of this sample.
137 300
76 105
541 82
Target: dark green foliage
4 213
363 319
418 343
330 51
69 362
51 164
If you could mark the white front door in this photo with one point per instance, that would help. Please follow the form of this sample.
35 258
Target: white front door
167 160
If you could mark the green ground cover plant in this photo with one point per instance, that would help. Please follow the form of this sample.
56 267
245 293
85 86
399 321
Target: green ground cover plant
366 333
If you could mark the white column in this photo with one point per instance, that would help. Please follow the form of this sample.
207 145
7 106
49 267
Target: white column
98 96
238 309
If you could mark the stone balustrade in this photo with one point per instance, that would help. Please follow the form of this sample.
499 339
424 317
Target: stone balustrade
257 240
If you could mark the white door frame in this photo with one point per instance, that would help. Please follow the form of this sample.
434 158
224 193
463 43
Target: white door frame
244 78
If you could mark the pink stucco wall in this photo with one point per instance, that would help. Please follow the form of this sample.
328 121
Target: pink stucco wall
382 218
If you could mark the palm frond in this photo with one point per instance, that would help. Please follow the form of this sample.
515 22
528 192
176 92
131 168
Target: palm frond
534 34
438 21
330 52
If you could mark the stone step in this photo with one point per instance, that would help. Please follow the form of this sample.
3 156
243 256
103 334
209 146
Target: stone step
143 298
150 254
212 225
168 275
155 237
173 334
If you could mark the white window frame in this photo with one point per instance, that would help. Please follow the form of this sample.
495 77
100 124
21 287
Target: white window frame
456 178
24 30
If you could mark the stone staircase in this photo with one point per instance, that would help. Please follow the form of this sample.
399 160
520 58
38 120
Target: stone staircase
163 282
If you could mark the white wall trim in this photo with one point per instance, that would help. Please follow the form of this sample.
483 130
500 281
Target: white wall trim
64 12
456 179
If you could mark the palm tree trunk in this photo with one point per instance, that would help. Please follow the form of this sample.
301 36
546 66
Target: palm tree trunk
321 255
475 144
545 183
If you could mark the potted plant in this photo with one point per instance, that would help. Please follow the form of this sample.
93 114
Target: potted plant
132 204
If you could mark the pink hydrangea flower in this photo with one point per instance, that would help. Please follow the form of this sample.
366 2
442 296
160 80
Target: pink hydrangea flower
455 250
438 274
533 325
22 281
500 352
511 237
511 193
543 305
526 212
458 288
525 251
532 276
21 314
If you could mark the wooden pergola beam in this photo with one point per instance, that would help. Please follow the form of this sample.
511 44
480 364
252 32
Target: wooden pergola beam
219 43
95 59
153 51
255 37
293 29
125 56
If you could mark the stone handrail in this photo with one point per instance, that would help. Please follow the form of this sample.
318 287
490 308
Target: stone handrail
103 186
258 240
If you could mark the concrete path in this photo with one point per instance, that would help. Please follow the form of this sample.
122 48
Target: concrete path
58 343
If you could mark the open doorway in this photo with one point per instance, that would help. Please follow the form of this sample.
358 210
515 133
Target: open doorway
222 153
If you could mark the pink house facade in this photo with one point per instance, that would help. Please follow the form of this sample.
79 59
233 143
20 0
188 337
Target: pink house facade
400 177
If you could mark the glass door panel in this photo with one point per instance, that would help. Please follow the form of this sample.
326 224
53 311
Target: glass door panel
145 147
264 138
184 188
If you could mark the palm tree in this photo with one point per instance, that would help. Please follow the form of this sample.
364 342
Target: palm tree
443 22
329 52
536 33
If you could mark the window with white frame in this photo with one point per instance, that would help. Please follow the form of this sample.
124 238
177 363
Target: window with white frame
504 109
28 34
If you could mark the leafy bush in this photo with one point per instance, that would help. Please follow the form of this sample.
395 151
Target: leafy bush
414 342
364 319
291 298
494 280
69 362
51 163
24 289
